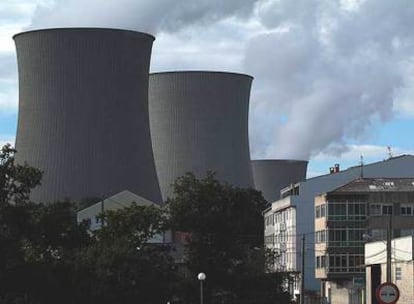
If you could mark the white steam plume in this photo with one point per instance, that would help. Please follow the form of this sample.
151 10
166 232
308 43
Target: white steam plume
328 71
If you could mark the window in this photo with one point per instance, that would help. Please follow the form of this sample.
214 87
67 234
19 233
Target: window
321 261
318 211
346 237
378 234
323 210
356 211
405 232
398 275
375 209
346 263
406 210
380 209
386 209
337 211
320 236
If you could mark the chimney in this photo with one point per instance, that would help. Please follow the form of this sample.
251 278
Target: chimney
337 168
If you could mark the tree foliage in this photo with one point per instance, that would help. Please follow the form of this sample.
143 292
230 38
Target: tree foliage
16 180
226 227
126 265
47 257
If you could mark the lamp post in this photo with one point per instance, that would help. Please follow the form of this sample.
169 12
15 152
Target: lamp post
201 277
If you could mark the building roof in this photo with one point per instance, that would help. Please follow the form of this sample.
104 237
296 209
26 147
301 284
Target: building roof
377 185
364 166
120 200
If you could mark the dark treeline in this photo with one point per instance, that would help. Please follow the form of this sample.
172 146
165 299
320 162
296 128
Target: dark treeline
47 257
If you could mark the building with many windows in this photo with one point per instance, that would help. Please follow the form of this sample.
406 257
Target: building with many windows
297 201
343 217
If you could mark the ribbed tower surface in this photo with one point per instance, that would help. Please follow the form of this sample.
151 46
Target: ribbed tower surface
199 122
83 112
272 175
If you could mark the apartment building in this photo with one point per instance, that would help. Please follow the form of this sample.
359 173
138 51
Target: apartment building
297 201
344 217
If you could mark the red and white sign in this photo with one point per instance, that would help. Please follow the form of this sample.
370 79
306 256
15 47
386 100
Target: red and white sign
388 293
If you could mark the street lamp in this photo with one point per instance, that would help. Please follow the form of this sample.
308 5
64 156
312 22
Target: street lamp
201 277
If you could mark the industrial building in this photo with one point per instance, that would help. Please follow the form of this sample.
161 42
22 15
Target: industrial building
402 267
292 216
83 112
343 217
199 123
272 175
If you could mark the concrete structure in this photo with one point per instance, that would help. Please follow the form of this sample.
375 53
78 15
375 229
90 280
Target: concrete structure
272 175
199 122
83 112
402 266
343 216
298 200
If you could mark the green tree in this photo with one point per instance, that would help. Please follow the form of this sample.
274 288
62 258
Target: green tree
16 180
226 242
39 243
43 264
126 265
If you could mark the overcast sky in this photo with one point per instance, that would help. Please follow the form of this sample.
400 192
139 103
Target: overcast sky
333 80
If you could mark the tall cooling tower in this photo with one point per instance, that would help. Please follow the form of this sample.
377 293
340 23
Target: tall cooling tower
83 112
272 175
199 122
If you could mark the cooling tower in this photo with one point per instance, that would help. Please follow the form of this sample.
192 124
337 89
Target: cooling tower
83 112
272 175
199 122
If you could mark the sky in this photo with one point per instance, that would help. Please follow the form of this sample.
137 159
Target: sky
333 79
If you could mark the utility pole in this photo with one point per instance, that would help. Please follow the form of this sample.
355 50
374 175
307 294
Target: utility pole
362 167
302 273
389 252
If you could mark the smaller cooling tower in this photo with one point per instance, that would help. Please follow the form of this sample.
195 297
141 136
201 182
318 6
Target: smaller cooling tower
83 112
199 122
272 175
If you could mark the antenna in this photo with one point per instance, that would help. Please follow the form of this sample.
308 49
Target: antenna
362 167
389 149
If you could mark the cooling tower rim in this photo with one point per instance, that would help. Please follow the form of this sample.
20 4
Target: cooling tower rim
91 29
279 160
207 72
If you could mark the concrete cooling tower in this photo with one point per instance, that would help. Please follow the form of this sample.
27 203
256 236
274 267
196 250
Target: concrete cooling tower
83 112
199 122
272 175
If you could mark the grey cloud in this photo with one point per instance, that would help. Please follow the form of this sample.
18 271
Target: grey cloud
332 73
144 15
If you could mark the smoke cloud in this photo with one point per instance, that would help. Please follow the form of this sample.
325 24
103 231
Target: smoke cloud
326 71
143 15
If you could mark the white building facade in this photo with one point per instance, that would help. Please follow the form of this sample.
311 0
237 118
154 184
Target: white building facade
300 220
